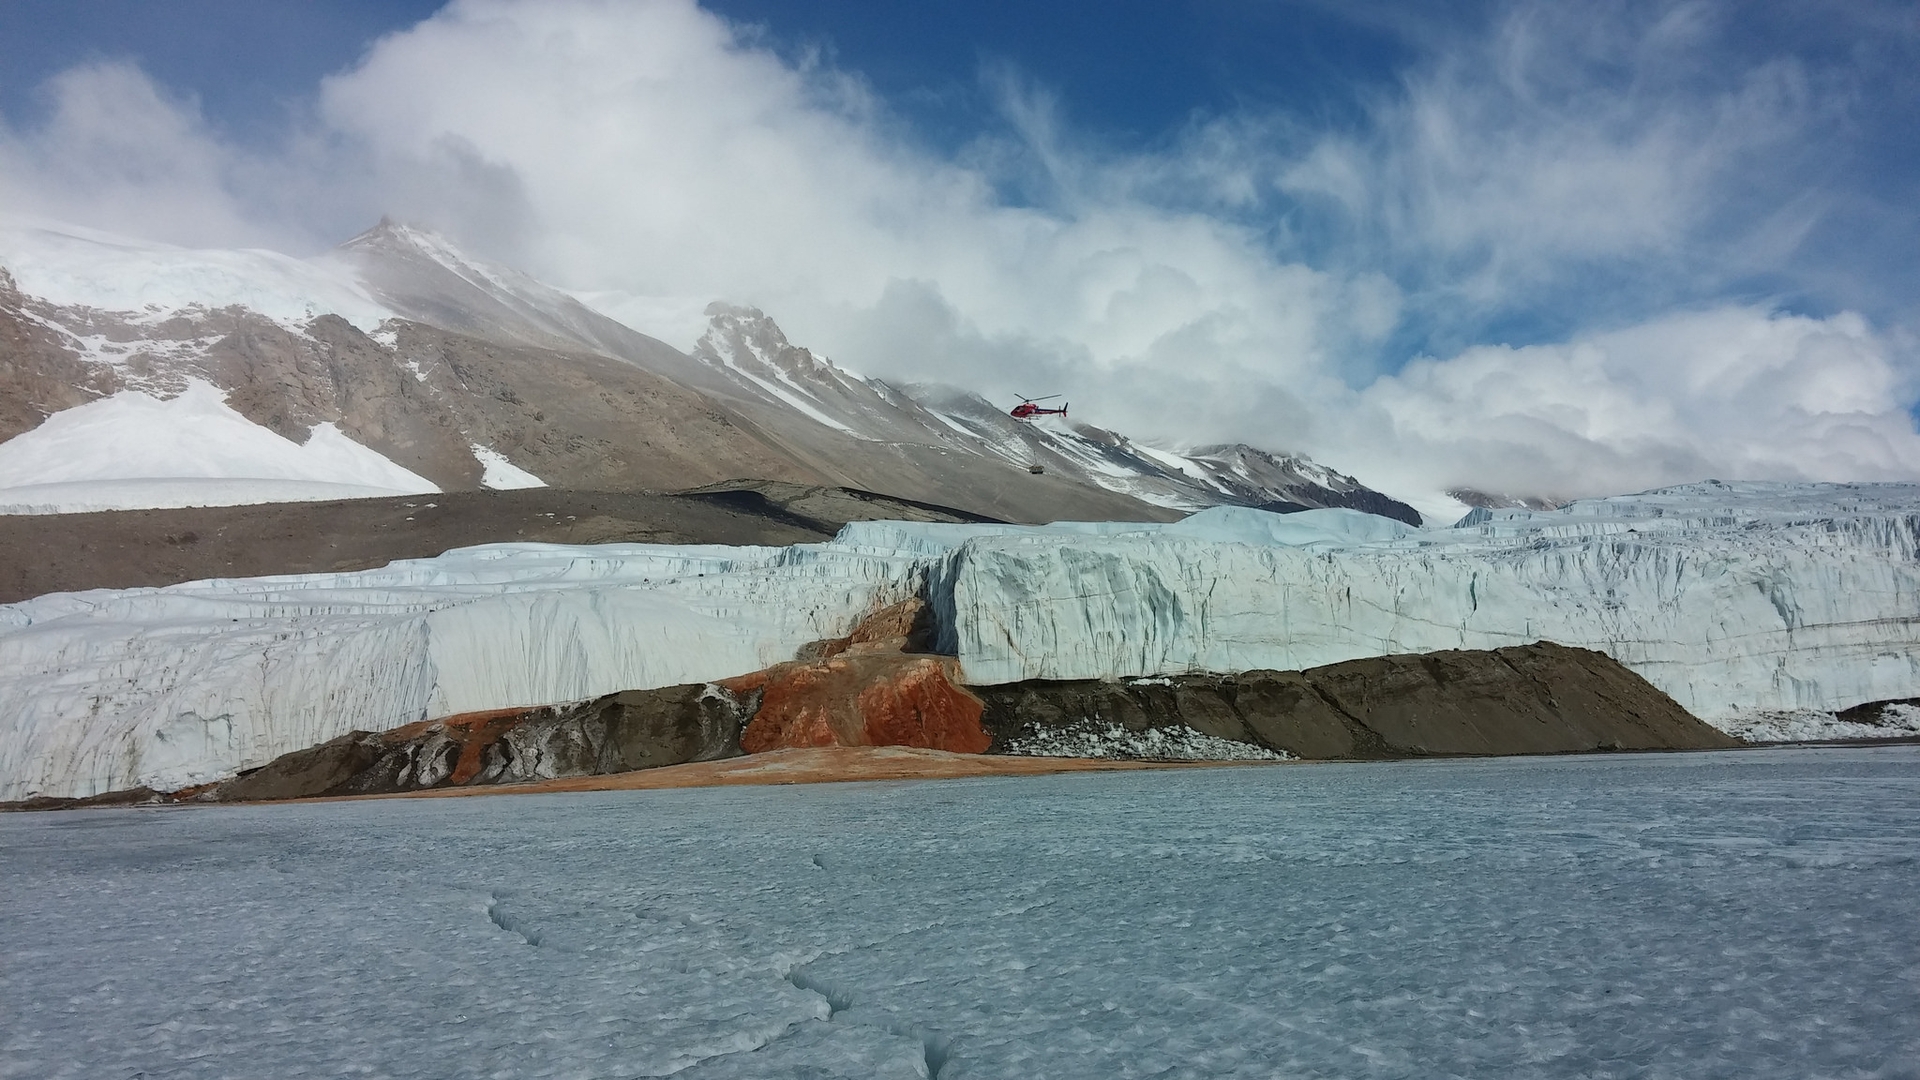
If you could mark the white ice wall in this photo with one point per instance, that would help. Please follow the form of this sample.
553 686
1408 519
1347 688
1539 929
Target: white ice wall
1726 597
171 687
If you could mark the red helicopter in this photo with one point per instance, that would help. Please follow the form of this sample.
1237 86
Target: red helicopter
1027 410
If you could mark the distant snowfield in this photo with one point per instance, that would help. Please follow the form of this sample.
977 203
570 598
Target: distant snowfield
71 265
134 451
1674 916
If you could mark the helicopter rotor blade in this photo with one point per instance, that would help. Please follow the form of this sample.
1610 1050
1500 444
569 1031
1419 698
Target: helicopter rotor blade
1031 400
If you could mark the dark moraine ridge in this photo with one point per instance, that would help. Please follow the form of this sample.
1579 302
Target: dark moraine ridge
1541 698
123 549
1532 699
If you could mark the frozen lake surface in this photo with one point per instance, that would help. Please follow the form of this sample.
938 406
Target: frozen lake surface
1702 915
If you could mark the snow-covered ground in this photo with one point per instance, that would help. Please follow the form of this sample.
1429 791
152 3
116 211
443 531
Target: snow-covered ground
1735 600
500 474
133 450
1105 739
1740 915
1897 721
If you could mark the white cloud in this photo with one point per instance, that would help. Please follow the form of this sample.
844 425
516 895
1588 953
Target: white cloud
653 151
1731 393
656 151
1509 166
115 152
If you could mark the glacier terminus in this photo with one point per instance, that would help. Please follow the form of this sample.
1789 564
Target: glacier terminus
1735 599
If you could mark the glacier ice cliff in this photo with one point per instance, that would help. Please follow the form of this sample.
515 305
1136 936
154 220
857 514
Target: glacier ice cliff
171 687
1726 596
1729 597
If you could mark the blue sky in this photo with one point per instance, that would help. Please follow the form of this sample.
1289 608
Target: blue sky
1277 211
1136 74
1132 69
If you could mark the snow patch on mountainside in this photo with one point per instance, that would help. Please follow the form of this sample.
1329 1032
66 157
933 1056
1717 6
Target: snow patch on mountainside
501 474
122 442
677 320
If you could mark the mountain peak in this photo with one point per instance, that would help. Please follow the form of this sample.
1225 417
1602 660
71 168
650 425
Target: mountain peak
747 339
390 237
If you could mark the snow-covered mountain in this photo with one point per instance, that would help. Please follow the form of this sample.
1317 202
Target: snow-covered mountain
1736 600
750 350
459 373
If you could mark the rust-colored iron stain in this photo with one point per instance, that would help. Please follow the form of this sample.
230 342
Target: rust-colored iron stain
474 738
862 700
923 706
472 732
460 722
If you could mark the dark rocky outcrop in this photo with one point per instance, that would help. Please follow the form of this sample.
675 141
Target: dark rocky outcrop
1875 713
1532 699
636 729
1362 499
39 373
874 689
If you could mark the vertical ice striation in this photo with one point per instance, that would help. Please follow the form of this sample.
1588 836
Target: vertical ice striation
1727 597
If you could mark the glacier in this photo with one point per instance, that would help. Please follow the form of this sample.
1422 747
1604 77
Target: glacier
1729 597
1733 598
183 685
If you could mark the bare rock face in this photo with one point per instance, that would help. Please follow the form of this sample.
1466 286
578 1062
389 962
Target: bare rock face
583 421
39 375
1531 699
636 729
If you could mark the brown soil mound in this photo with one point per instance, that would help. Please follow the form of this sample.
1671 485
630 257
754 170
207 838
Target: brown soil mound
1531 699
123 549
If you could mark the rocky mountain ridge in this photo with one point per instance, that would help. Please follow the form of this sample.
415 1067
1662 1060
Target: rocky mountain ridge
437 361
